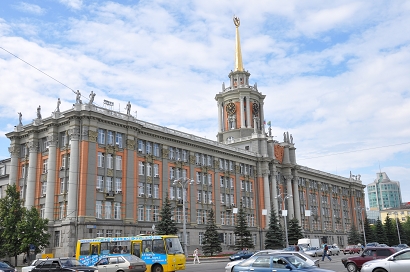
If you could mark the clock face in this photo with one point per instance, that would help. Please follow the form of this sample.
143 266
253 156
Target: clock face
231 108
255 108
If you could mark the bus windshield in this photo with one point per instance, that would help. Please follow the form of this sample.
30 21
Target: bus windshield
173 246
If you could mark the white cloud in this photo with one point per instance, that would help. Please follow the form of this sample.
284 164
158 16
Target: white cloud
29 8
74 4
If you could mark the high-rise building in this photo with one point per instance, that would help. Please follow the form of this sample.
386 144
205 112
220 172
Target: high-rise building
384 193
93 171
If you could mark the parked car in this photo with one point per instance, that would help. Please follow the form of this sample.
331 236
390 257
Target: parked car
62 265
351 249
402 246
229 266
397 262
314 251
32 265
7 262
7 268
240 255
121 263
333 250
353 264
372 244
275 262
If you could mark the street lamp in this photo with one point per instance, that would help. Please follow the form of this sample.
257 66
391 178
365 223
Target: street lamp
397 226
282 197
183 182
361 215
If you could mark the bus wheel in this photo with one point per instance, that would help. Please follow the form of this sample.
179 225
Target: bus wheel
157 268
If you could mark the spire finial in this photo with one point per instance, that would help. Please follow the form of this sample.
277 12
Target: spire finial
238 54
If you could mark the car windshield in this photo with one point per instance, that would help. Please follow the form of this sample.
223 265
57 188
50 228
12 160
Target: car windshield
70 263
296 261
173 246
132 258
4 265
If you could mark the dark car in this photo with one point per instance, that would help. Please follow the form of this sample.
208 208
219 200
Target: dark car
243 254
353 264
6 267
62 265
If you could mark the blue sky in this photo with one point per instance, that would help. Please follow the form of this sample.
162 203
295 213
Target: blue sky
335 73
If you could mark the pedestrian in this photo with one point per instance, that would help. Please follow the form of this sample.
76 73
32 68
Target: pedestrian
196 253
325 249
297 247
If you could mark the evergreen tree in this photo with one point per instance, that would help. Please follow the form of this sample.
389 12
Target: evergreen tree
11 213
166 224
242 234
294 231
380 234
389 229
274 235
33 231
370 237
354 236
211 243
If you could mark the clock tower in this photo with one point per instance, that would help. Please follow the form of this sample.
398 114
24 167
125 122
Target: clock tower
240 106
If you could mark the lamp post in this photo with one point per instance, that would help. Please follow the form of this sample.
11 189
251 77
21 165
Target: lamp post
183 182
397 226
282 197
361 215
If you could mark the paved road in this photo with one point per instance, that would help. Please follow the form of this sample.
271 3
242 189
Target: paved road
219 265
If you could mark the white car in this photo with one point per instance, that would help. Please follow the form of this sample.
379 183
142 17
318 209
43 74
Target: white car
229 266
31 266
398 262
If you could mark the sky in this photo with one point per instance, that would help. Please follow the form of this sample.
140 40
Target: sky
336 74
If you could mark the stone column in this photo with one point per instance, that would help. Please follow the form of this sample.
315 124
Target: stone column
220 117
291 210
275 192
73 174
51 177
31 179
14 153
242 113
266 196
262 114
296 198
248 112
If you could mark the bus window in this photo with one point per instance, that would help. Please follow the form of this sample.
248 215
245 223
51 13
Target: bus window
158 246
147 245
105 248
136 249
94 249
85 249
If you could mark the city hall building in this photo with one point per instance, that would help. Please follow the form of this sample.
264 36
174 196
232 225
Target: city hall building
92 171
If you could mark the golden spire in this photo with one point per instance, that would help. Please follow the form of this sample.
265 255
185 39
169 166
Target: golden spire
238 54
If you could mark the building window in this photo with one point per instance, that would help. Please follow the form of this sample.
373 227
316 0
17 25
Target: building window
101 136
156 150
62 211
110 137
149 148
118 139
44 188
108 210
100 183
201 237
98 209
118 233
110 161
57 239
149 169
108 233
148 213
100 159
42 211
45 163
118 185
156 170
140 146
118 163
117 210
141 168
109 184
156 191
140 189
155 213
140 213
100 233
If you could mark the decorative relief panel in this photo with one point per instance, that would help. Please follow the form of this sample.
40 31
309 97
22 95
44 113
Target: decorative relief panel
179 164
237 169
14 150
92 136
149 179
165 153
130 144
216 164
191 159
149 158
110 149
110 172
